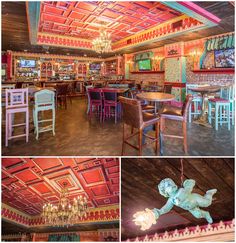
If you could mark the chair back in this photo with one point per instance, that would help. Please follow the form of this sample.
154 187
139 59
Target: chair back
227 92
186 106
62 89
16 98
95 94
167 88
19 85
132 112
88 87
109 95
44 97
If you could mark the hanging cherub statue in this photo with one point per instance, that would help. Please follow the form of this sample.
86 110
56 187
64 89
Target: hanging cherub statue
182 197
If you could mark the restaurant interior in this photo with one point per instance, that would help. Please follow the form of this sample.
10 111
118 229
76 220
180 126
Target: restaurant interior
146 184
60 199
118 78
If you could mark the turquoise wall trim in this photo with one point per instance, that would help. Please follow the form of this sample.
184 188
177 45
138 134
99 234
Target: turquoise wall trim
189 12
183 69
127 71
33 15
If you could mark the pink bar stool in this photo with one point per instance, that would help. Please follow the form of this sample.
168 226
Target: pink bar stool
16 102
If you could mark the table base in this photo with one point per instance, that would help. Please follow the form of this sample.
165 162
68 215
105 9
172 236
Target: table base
203 121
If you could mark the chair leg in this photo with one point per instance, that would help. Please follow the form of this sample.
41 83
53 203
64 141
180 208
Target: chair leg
53 121
228 116
27 126
115 114
189 114
209 112
184 124
156 136
162 128
37 125
7 129
216 116
123 142
233 113
140 141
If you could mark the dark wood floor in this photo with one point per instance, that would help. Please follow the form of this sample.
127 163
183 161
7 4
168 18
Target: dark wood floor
77 136
141 176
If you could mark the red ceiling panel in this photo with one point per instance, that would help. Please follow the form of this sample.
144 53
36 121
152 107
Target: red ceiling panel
100 191
93 176
28 183
120 18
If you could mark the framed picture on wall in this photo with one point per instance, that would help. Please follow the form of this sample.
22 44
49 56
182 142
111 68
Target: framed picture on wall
224 58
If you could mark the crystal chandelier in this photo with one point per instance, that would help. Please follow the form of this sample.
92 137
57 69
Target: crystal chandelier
66 212
102 44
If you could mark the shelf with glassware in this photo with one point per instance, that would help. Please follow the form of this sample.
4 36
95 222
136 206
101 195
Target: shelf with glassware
26 69
46 70
64 70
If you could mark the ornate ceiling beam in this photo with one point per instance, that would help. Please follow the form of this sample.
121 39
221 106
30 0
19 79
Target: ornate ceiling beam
108 215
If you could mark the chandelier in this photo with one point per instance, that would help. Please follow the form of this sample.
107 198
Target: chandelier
102 44
66 212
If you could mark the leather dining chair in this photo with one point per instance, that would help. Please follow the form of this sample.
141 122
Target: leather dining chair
169 112
136 119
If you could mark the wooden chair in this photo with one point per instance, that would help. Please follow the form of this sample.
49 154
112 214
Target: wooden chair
145 106
96 101
16 102
44 101
111 101
169 112
196 104
167 88
61 94
222 107
86 90
136 119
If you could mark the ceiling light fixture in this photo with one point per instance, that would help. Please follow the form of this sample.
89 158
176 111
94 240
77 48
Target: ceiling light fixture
66 212
102 44
182 197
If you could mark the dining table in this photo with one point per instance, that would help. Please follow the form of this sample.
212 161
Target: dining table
204 91
33 89
155 97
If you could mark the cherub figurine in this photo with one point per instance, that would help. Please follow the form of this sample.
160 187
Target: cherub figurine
182 197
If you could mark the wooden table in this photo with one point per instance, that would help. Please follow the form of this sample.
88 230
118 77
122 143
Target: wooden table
155 97
117 90
33 90
204 91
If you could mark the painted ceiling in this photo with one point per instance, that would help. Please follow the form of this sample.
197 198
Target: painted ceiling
27 183
84 19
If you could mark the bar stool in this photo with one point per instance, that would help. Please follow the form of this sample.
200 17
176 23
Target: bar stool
16 102
196 104
136 119
44 100
222 107
169 112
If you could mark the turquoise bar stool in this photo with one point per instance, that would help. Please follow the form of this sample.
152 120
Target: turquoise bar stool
44 101
196 104
222 107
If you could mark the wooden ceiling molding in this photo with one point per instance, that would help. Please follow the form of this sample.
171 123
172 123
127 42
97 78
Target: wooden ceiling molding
28 183
140 178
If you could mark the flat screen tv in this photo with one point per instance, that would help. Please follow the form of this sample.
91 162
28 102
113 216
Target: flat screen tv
144 65
224 58
27 63
95 66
